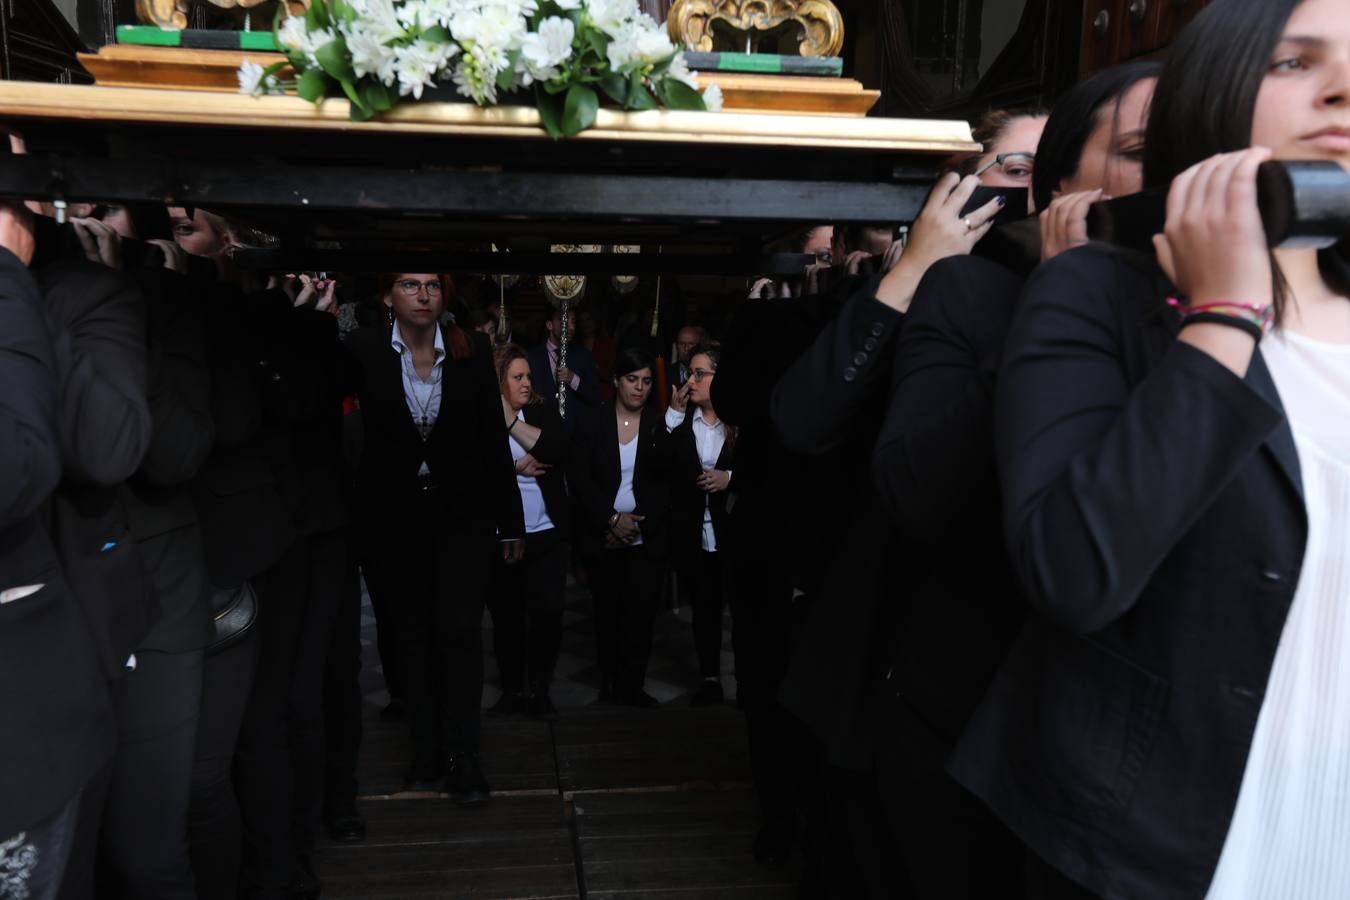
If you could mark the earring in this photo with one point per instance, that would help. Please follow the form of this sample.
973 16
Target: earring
390 311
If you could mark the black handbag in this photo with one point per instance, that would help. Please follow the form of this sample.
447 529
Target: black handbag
235 612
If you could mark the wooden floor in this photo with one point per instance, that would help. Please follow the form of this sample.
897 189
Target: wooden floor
607 802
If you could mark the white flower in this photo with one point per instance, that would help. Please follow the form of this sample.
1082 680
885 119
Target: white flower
567 5
476 74
639 44
419 63
252 81
712 97
294 35
372 56
376 18
611 15
679 70
543 51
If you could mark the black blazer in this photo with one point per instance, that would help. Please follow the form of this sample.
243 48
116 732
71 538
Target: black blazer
247 524
1153 511
57 715
471 471
106 430
158 497
552 448
957 605
688 501
595 477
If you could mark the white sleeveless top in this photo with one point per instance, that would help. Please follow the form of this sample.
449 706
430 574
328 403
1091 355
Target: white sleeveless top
1290 835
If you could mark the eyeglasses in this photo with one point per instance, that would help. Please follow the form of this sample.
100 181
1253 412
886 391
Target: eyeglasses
700 374
1015 166
412 288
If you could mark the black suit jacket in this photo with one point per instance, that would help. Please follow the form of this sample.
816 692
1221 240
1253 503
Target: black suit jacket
1153 510
688 501
545 381
158 497
106 430
553 449
58 720
247 523
471 471
596 476
956 605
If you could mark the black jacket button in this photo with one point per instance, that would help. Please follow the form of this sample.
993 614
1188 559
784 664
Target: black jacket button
850 373
870 345
878 329
860 358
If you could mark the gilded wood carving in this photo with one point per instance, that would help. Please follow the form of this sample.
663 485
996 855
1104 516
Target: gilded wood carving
172 14
818 22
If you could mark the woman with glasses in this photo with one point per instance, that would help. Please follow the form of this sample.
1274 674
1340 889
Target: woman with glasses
618 470
936 478
527 598
438 493
1009 138
702 451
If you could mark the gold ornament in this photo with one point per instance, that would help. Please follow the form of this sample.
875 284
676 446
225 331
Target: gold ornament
817 25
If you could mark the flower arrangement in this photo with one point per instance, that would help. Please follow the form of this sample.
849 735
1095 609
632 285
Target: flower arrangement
567 52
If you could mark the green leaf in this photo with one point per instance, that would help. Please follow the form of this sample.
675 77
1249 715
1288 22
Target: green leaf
316 17
616 88
312 85
273 69
341 10
357 103
598 41
678 95
335 61
550 112
376 96
579 109
556 87
437 34
638 95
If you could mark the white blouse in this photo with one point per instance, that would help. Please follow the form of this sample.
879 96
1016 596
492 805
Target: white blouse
708 441
624 500
423 397
1290 835
531 497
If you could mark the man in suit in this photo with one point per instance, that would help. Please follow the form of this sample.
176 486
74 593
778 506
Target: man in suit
580 375
51 685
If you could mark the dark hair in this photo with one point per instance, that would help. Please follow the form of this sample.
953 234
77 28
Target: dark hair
991 126
1205 103
1206 95
478 316
1076 115
714 354
633 359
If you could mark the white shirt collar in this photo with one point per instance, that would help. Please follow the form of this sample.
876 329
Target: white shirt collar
400 346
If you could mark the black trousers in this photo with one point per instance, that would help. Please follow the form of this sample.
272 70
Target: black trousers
708 581
215 833
342 698
280 766
437 584
626 591
784 764
143 849
381 600
951 844
527 613
1045 882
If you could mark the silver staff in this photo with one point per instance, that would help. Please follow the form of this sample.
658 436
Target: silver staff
564 313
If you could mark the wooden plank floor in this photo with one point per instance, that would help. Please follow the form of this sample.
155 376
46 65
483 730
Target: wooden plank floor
607 802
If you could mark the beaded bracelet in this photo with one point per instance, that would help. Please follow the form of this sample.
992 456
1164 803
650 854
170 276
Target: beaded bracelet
1254 320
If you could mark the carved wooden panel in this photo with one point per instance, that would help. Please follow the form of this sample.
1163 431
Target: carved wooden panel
37 43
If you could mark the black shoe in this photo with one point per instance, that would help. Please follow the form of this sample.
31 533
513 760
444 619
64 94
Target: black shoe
348 828
639 698
308 887
466 784
511 703
423 780
541 707
393 712
709 693
606 691
773 845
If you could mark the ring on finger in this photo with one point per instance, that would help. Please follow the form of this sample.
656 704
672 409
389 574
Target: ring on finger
969 225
